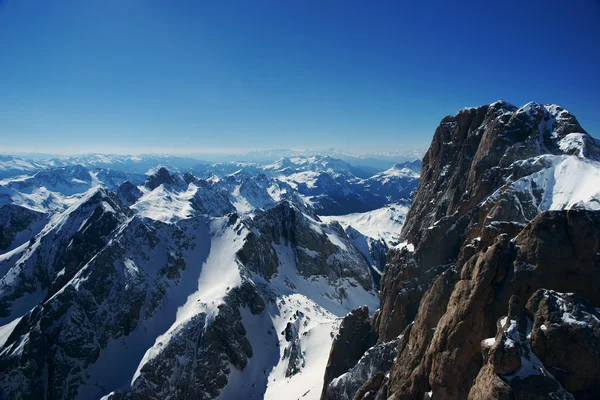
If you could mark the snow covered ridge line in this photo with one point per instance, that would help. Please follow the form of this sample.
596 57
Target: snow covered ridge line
328 185
129 294
11 165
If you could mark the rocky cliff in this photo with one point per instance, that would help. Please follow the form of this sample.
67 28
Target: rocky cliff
502 238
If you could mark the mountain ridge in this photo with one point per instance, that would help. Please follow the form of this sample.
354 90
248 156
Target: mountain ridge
302 279
477 242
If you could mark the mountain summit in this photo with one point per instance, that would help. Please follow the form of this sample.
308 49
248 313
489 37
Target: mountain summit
502 238
467 275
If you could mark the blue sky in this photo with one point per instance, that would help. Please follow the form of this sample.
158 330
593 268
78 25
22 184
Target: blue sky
192 76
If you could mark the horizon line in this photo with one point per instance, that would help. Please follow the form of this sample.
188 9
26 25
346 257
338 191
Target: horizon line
212 151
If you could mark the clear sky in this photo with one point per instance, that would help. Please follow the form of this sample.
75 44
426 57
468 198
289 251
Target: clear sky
188 76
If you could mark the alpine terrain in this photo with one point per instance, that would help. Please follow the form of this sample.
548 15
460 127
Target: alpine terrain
469 274
190 281
492 292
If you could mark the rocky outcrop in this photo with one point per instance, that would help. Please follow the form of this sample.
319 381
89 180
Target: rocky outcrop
477 244
209 200
162 177
364 380
128 193
17 225
355 336
465 186
549 348
195 363
318 249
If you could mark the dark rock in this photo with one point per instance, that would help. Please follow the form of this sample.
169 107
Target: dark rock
355 336
128 193
467 218
160 177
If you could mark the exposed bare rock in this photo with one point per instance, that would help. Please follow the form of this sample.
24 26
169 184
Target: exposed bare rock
478 242
466 185
565 336
355 336
411 370
367 376
128 193
314 252
547 350
162 177
18 225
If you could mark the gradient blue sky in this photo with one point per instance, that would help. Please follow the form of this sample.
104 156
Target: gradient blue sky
191 76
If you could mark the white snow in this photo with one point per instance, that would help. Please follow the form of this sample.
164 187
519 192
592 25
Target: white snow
164 205
573 143
567 182
336 240
13 252
405 245
384 223
219 273
396 172
321 308
6 330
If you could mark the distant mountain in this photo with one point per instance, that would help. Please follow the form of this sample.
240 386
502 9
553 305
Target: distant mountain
130 266
108 297
13 166
371 160
366 164
333 187
309 276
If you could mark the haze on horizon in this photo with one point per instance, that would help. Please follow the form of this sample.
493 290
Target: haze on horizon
182 78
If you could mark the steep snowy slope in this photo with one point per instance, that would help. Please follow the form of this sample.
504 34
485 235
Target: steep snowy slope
334 187
49 190
384 223
170 285
374 232
107 298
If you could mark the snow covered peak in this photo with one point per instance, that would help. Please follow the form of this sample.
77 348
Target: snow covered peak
316 163
405 169
63 176
162 177
399 173
530 130
503 104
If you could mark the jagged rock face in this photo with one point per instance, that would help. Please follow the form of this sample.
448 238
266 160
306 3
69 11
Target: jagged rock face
506 270
366 377
478 244
355 336
210 200
549 349
128 193
160 177
314 250
209 348
16 222
468 180
64 245
565 336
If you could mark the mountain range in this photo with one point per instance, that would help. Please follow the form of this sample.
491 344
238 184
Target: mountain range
469 274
